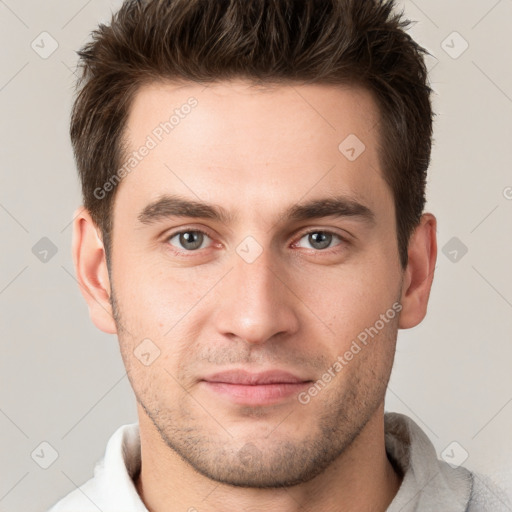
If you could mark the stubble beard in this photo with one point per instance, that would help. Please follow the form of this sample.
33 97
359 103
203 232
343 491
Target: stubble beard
274 461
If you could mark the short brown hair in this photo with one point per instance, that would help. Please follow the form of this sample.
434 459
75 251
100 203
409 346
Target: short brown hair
355 42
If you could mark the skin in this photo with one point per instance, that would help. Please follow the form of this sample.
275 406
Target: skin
257 152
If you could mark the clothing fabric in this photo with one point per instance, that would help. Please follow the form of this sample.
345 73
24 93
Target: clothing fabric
428 485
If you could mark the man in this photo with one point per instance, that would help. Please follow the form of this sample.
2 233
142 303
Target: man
253 176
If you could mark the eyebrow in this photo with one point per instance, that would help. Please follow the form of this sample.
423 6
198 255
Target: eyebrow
176 206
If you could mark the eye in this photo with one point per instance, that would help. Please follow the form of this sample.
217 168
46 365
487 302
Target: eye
190 240
320 240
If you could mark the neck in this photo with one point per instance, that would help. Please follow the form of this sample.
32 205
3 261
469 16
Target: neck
362 478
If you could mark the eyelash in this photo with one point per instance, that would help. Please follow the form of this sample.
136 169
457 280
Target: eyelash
343 241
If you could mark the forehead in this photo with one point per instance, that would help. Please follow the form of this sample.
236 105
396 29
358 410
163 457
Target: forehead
251 147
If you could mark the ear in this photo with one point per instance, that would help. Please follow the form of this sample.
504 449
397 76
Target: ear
419 273
91 270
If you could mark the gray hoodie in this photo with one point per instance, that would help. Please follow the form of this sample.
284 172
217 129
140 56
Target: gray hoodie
428 485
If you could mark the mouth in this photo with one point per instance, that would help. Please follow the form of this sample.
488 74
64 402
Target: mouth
264 388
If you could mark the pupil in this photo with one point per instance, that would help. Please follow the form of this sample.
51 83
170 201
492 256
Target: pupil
320 240
191 239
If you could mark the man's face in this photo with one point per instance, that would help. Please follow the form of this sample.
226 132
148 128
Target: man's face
267 286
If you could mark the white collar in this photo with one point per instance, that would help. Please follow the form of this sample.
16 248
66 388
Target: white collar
428 484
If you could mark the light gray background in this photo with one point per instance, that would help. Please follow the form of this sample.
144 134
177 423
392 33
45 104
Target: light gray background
62 380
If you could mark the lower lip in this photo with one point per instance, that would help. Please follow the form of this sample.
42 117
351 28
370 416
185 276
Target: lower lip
258 394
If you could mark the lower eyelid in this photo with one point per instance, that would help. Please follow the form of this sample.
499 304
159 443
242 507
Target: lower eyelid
212 243
168 238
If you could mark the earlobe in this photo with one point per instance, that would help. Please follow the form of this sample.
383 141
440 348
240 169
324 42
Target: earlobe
419 273
91 270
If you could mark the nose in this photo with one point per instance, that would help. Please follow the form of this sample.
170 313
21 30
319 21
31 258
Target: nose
256 303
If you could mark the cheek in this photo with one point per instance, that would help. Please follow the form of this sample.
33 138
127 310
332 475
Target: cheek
350 299
155 297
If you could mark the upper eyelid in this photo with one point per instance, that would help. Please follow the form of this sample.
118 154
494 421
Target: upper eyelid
172 234
328 231
343 239
297 238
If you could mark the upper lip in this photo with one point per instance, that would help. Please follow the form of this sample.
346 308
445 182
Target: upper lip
247 378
